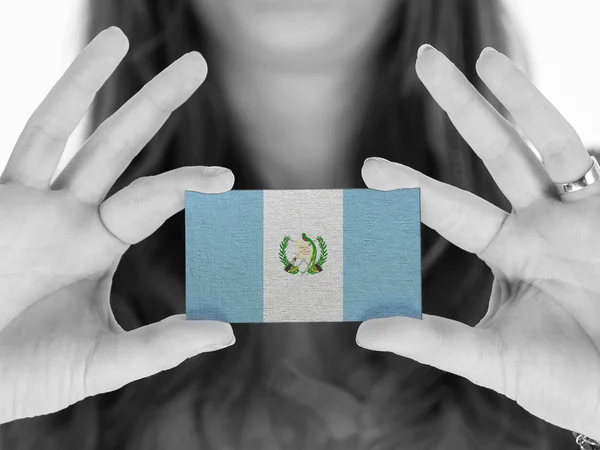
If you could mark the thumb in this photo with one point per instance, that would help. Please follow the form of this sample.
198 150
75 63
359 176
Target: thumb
138 210
472 353
118 359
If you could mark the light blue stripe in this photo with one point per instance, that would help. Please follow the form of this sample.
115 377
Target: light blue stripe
382 254
224 256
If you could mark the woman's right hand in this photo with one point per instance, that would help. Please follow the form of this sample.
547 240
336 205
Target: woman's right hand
60 242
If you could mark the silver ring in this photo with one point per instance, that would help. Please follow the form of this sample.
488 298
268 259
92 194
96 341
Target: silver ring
591 176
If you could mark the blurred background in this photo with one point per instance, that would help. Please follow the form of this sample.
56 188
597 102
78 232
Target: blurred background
39 39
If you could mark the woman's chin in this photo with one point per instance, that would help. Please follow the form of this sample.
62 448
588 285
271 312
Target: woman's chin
293 30
289 39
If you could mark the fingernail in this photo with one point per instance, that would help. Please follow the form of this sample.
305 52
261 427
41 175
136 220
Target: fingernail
214 171
229 341
371 345
488 50
365 335
375 333
424 47
112 29
376 159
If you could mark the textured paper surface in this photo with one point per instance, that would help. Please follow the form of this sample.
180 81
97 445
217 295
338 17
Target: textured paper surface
303 255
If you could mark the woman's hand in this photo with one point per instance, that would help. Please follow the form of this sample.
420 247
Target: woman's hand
539 343
60 243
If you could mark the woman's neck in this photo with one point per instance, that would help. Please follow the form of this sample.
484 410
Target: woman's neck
296 127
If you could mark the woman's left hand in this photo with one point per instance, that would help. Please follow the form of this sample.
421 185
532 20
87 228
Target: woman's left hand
539 343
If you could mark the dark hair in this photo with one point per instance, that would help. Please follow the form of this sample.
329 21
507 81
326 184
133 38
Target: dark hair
210 401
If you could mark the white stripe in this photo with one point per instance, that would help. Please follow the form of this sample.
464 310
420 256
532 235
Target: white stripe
295 297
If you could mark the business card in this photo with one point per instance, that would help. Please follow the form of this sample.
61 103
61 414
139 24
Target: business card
337 255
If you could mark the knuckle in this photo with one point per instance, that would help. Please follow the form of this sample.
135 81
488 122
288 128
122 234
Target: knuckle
452 218
556 144
38 125
181 172
87 387
463 98
137 196
489 249
495 150
459 100
522 96
142 188
158 103
502 357
120 147
80 80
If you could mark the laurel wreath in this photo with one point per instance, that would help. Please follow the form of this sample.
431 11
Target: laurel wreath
284 259
282 250
323 247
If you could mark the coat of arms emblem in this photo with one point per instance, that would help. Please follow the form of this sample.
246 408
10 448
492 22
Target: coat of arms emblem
306 259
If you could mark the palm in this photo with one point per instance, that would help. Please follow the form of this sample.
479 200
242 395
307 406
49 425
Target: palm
543 357
57 253
544 319
49 346
50 242
539 343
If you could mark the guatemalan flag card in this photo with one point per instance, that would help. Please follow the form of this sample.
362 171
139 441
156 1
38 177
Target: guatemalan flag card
303 255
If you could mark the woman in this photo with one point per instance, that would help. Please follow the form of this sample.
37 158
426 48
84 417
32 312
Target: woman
298 95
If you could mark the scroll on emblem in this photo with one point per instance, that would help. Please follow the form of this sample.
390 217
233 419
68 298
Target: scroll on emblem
308 257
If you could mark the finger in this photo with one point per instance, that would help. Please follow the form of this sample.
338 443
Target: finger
464 219
137 211
472 353
119 359
514 167
42 141
564 155
110 149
